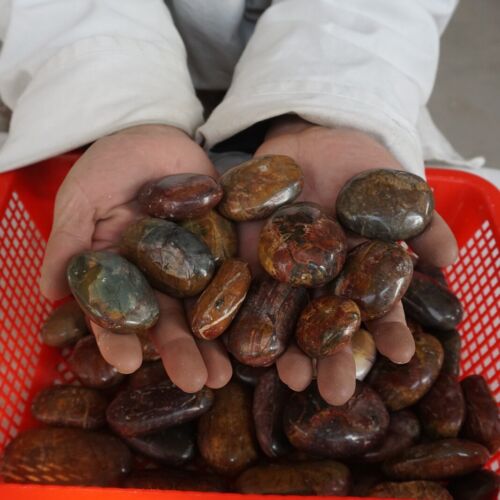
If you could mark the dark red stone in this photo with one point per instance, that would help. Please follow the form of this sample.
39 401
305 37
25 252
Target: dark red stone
418 490
480 485
65 325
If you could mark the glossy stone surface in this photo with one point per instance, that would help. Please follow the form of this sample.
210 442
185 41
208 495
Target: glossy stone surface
301 245
442 409
262 330
248 374
344 431
226 435
174 260
112 291
364 352
385 204
327 325
70 406
217 232
90 367
452 345
480 485
403 431
375 275
419 490
152 408
269 399
180 196
310 478
401 386
482 422
65 456
434 272
65 326
256 188
431 304
220 301
437 460
148 374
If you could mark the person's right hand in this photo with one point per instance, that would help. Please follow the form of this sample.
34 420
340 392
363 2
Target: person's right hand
94 204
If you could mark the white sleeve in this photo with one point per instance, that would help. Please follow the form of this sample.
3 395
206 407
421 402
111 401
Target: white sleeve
73 71
365 64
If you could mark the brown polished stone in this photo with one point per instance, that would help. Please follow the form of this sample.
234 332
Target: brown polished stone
480 485
65 325
418 490
180 196
65 456
265 324
432 271
256 188
452 345
364 352
401 386
376 275
226 436
148 374
301 245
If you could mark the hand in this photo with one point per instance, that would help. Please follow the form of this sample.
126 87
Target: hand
330 157
94 204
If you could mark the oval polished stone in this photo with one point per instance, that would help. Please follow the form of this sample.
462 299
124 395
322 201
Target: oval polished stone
220 301
418 490
401 386
269 399
327 325
70 406
262 330
482 422
65 325
385 204
310 478
226 436
148 374
375 275
301 245
249 375
431 304
148 409
452 345
442 409
364 352
113 292
174 260
180 196
480 485
87 363
256 188
217 232
437 460
344 431
65 456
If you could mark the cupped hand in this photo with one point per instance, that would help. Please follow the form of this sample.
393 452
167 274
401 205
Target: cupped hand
329 158
93 206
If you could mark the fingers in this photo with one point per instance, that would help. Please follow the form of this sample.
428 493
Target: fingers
437 244
217 362
123 351
392 337
295 368
337 377
178 350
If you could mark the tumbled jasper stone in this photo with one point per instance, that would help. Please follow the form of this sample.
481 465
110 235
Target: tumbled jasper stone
364 352
452 344
480 485
419 490
401 386
217 232
65 325
180 196
113 292
442 409
437 460
403 431
344 431
482 422
256 188
301 245
327 325
261 331
220 301
148 409
375 275
226 436
269 399
90 367
70 406
249 375
385 204
431 304
65 456
309 478
174 260
148 374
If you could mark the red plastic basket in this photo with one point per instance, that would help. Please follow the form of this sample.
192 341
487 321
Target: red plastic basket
470 205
